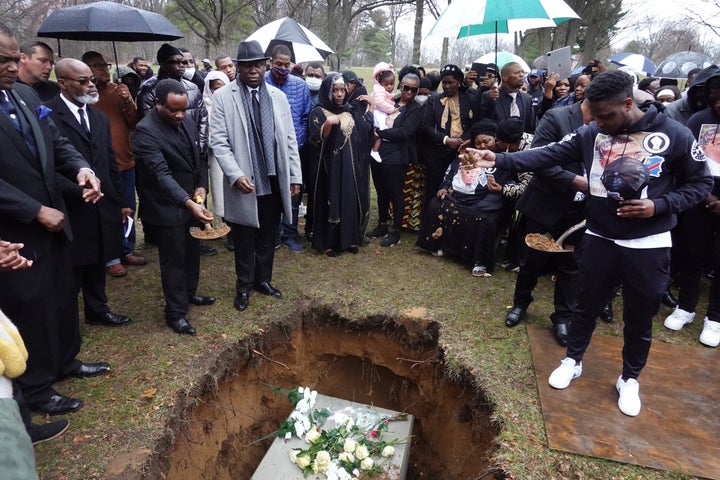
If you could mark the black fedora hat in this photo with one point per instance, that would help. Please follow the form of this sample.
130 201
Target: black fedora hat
249 51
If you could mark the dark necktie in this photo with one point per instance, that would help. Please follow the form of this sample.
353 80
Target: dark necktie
7 106
256 112
83 121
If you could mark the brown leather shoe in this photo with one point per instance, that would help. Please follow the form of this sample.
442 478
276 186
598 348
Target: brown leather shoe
116 270
133 259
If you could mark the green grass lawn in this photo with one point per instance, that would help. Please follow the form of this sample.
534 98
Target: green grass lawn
125 412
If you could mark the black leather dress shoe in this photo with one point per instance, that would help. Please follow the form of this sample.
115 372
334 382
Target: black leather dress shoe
109 319
514 316
57 404
86 370
201 300
182 326
669 300
606 314
242 299
561 333
266 289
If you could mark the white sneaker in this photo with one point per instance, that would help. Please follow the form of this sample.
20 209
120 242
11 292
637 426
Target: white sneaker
678 319
376 156
567 371
629 401
710 335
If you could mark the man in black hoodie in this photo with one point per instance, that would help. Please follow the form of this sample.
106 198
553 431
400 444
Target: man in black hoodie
643 168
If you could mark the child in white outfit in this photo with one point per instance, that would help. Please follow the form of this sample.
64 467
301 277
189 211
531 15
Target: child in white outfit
383 98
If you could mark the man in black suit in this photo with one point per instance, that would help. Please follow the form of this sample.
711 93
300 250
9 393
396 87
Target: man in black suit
32 211
507 100
552 202
174 174
95 225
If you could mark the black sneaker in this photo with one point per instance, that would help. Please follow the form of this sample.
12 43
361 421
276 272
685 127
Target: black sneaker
378 232
42 432
392 238
206 250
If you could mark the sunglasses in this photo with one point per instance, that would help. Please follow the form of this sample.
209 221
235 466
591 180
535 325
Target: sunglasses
407 88
178 62
82 81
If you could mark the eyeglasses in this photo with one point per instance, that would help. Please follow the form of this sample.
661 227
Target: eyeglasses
82 81
178 62
408 88
101 66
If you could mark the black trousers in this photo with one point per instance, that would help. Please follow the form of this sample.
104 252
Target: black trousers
693 254
90 279
389 181
179 256
535 263
255 247
644 273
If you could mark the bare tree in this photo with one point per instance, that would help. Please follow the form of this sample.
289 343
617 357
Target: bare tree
395 12
341 13
210 19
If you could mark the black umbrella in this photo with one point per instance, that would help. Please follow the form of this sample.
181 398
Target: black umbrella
679 64
108 21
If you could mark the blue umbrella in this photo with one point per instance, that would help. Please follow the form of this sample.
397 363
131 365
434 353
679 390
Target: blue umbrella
637 62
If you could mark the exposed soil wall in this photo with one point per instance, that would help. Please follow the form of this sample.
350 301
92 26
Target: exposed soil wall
394 364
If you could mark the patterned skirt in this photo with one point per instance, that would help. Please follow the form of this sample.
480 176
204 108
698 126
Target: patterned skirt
413 192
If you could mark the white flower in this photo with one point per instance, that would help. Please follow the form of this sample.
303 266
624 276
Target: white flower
312 436
346 457
293 455
356 472
336 472
361 452
306 403
388 451
288 435
322 462
302 461
349 445
302 423
367 463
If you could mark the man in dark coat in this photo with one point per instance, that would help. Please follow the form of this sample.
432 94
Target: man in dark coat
501 103
95 225
32 212
174 174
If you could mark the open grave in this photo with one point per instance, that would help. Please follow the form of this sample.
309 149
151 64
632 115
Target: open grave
395 364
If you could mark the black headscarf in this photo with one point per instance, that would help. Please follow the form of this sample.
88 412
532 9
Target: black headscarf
325 95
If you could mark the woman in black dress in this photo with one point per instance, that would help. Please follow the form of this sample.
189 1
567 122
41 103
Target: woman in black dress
341 132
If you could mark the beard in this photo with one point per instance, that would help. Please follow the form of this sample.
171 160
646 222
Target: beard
90 97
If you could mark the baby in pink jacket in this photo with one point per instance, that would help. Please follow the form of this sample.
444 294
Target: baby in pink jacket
383 98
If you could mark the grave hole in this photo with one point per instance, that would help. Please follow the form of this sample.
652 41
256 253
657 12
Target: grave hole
393 364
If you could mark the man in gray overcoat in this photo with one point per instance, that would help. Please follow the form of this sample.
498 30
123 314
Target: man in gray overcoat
253 139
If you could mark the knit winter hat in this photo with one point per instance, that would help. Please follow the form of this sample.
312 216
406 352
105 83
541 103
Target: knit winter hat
166 51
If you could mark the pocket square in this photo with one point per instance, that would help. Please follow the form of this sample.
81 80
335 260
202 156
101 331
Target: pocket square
43 112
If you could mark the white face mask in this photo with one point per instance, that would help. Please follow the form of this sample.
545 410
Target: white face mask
313 83
421 99
189 72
